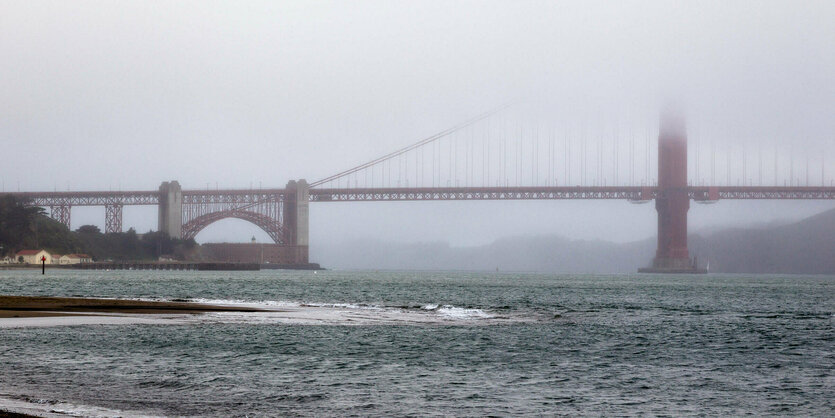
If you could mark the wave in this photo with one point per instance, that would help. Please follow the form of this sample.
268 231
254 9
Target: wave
344 305
31 406
280 303
453 312
445 312
239 302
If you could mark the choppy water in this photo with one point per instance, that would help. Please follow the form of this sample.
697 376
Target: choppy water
615 345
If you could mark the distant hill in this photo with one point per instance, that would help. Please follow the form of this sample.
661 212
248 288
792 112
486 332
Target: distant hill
807 247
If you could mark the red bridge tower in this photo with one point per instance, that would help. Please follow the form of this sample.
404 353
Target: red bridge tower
673 200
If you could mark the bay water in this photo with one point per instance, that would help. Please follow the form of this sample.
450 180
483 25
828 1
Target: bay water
501 344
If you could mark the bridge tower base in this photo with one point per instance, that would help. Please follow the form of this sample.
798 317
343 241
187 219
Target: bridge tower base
171 209
296 220
673 200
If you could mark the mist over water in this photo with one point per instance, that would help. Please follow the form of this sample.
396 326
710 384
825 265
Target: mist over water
231 96
103 96
716 345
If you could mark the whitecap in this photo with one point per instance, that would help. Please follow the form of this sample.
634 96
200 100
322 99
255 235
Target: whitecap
343 306
249 303
453 312
51 408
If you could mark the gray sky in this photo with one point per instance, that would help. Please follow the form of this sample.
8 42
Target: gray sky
125 95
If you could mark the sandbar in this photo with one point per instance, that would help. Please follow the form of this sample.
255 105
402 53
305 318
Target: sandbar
39 311
39 306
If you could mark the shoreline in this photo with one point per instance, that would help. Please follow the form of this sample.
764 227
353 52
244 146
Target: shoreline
38 311
21 406
8 413
46 306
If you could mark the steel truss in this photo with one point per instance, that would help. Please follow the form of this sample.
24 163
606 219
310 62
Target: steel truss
112 218
61 213
264 208
47 199
235 197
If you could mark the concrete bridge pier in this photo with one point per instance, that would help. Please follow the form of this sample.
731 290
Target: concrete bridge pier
171 209
297 219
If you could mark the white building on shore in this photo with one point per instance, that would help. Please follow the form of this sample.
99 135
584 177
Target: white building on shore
75 259
33 256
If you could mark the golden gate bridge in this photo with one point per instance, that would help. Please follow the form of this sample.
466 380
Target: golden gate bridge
488 157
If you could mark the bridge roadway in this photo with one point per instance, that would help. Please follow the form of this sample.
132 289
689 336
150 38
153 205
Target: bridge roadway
283 213
254 196
632 193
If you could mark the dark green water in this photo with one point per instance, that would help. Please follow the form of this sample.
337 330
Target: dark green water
567 345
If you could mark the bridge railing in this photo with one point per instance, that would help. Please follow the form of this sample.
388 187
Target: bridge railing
760 192
96 198
480 193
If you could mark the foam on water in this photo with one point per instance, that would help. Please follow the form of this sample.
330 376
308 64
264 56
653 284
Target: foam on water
344 306
344 313
453 312
52 408
462 313
247 303
446 312
432 344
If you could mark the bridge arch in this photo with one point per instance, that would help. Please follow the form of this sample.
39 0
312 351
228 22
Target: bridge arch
272 227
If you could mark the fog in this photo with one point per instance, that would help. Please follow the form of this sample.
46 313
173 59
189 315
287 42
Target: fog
123 96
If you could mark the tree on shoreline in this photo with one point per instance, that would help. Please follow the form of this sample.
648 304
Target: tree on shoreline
27 227
17 223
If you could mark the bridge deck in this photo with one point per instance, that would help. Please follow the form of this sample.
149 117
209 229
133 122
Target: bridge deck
480 193
252 196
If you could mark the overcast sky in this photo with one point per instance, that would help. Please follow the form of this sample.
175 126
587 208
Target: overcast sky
125 95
